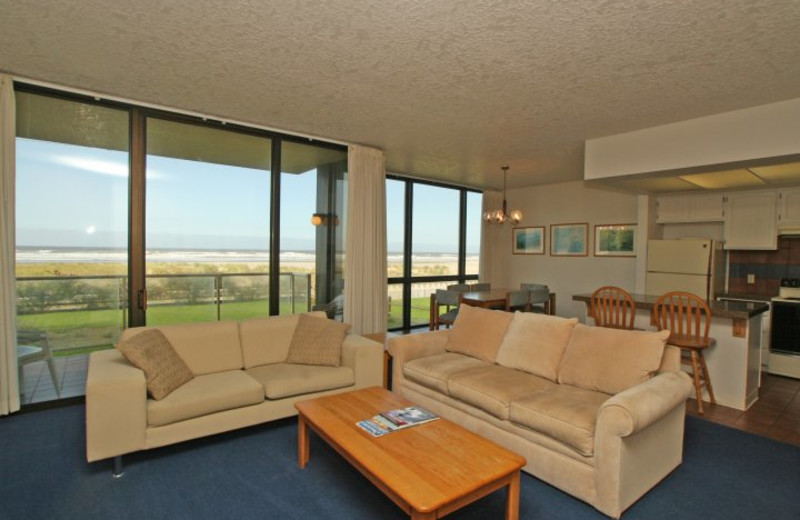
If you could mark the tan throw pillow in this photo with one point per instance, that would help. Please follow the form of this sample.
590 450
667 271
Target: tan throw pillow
317 341
163 369
535 343
478 332
610 360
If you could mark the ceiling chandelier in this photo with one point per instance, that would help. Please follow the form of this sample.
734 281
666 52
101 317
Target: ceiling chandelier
501 216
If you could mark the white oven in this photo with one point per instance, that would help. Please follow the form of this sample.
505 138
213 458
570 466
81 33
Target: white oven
784 346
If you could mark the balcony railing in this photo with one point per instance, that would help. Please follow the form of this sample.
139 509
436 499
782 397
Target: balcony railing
81 313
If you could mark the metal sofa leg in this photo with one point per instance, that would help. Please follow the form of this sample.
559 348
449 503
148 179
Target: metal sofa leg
117 467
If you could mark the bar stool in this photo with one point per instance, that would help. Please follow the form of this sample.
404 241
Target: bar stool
612 307
688 318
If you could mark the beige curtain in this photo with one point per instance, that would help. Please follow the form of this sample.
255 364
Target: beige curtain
365 290
9 385
493 236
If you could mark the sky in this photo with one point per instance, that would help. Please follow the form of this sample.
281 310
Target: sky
75 196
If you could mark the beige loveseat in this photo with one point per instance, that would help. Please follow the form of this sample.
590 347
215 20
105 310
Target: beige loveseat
240 379
598 413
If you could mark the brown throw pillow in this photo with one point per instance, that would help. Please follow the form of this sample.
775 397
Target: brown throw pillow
163 369
317 341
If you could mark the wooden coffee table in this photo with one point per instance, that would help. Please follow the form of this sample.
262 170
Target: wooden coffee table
428 470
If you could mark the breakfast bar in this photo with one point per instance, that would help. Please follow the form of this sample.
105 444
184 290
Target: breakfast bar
734 363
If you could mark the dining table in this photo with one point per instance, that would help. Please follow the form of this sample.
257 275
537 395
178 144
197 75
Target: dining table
496 298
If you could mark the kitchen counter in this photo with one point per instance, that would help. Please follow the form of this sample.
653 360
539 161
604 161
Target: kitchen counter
734 363
735 310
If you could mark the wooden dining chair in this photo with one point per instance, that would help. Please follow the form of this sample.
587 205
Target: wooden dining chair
518 301
450 300
612 307
460 287
480 287
539 297
688 318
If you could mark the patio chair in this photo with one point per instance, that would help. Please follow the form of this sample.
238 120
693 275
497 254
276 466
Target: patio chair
32 346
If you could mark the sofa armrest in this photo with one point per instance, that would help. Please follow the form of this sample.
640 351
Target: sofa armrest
116 406
640 406
413 346
365 357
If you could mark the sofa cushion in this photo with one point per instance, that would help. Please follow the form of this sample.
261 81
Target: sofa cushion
317 341
205 347
285 380
564 413
610 360
492 388
535 343
478 332
434 371
266 340
164 370
204 395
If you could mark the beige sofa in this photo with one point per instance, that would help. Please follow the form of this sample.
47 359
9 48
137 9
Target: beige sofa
240 379
598 413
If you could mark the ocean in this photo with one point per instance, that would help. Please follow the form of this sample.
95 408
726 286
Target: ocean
110 255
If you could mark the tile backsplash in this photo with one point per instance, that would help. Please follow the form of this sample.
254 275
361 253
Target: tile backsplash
768 267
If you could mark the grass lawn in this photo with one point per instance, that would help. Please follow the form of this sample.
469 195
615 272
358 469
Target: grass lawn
75 332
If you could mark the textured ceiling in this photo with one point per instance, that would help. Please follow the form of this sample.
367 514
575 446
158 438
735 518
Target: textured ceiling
450 89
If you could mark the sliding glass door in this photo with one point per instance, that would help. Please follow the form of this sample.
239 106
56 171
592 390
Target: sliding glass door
207 223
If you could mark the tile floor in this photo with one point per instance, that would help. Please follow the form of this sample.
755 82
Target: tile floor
776 414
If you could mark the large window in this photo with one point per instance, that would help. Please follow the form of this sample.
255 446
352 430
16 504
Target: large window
433 238
129 216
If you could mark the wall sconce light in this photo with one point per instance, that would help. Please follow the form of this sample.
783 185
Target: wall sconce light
324 219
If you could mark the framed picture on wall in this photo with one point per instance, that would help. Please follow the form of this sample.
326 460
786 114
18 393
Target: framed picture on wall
528 240
615 240
569 239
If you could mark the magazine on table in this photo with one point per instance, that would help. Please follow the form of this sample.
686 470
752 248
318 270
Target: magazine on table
393 420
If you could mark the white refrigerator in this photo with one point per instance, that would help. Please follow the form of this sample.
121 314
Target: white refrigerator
694 265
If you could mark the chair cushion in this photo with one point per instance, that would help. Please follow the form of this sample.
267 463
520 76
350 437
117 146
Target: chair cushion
610 360
492 388
564 413
266 339
434 371
317 341
285 380
449 316
205 394
535 343
478 332
164 370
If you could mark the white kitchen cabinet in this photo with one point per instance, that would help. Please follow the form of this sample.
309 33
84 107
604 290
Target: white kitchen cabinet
708 207
789 208
751 220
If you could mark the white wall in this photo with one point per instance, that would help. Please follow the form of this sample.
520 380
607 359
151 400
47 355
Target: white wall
563 203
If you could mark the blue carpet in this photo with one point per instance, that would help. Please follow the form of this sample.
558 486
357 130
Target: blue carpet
253 473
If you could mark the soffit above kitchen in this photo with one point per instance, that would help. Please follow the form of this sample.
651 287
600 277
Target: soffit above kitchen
756 147
771 176
451 90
